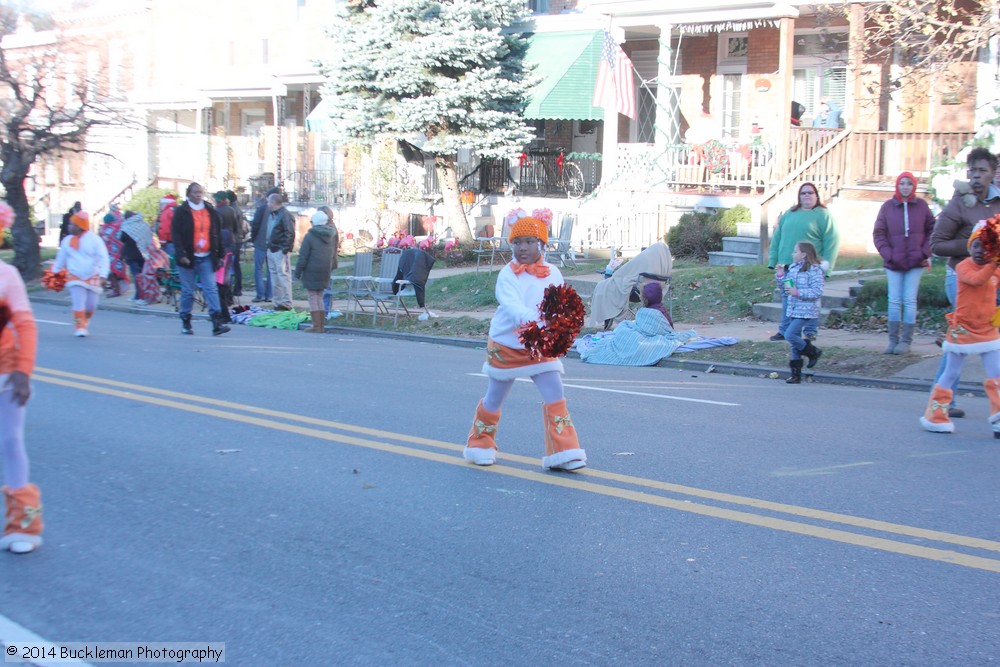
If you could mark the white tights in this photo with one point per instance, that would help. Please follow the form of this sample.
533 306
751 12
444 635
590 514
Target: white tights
83 298
15 458
549 385
954 363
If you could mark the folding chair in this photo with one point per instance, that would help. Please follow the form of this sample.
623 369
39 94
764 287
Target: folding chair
380 291
493 246
354 285
411 279
561 248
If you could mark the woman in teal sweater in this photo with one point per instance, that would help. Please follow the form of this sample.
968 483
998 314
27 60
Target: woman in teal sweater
807 221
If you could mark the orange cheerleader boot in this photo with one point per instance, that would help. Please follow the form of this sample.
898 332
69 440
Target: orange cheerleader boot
992 387
935 417
481 448
23 528
562 448
80 322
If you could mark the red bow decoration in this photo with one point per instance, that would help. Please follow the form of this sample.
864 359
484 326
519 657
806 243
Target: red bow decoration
562 317
522 160
560 161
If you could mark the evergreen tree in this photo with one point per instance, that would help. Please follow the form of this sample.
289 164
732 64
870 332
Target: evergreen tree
447 70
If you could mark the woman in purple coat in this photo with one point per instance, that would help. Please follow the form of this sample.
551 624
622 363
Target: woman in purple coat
903 235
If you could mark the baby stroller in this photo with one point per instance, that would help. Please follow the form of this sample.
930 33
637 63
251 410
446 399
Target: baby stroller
615 297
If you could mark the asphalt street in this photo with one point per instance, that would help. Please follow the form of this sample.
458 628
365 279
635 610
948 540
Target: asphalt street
302 499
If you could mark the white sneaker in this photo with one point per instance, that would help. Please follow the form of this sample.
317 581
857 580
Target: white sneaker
21 547
80 333
480 456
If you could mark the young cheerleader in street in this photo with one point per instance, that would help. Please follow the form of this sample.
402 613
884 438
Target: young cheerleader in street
803 283
520 289
972 329
85 258
18 340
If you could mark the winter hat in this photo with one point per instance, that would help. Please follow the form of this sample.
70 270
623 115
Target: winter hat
529 226
109 217
168 199
913 179
221 195
231 196
653 293
82 220
319 218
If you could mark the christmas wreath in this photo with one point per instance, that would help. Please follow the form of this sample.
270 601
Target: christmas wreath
562 317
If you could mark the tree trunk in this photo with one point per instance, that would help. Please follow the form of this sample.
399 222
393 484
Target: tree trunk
454 212
27 256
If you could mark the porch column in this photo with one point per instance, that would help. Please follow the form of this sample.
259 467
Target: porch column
666 130
783 137
609 144
276 104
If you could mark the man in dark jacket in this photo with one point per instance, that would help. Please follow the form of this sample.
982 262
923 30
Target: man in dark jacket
279 230
196 231
258 236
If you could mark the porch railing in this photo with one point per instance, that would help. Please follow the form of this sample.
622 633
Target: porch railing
320 187
714 165
874 156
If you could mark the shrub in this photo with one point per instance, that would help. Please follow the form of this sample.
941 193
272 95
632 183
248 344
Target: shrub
697 234
147 202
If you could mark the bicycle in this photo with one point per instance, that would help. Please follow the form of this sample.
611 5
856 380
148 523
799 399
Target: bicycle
538 177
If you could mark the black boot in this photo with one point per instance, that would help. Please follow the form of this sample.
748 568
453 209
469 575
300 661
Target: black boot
186 325
218 327
812 353
796 376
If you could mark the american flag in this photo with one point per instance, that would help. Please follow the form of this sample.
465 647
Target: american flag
615 79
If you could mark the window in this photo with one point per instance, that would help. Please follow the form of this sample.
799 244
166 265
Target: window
732 100
820 70
733 49
539 6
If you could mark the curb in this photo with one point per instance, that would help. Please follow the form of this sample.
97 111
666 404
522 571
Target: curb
699 366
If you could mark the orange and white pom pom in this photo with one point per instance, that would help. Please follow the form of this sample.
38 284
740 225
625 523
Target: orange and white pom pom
6 215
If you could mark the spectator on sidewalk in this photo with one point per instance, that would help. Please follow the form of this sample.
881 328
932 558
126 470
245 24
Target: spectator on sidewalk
973 200
243 230
316 260
804 287
64 227
197 235
808 220
280 233
258 236
902 235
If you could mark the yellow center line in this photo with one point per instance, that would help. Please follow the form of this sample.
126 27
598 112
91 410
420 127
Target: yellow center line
159 397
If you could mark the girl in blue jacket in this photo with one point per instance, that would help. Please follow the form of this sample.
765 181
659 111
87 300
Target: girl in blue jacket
804 287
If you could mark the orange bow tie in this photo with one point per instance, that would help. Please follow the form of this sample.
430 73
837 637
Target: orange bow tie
537 269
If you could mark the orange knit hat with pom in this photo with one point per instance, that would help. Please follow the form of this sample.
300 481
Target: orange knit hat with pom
81 220
529 226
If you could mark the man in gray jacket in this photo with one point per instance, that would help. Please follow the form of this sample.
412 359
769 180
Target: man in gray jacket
280 234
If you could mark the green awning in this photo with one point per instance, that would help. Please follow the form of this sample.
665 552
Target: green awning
567 65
